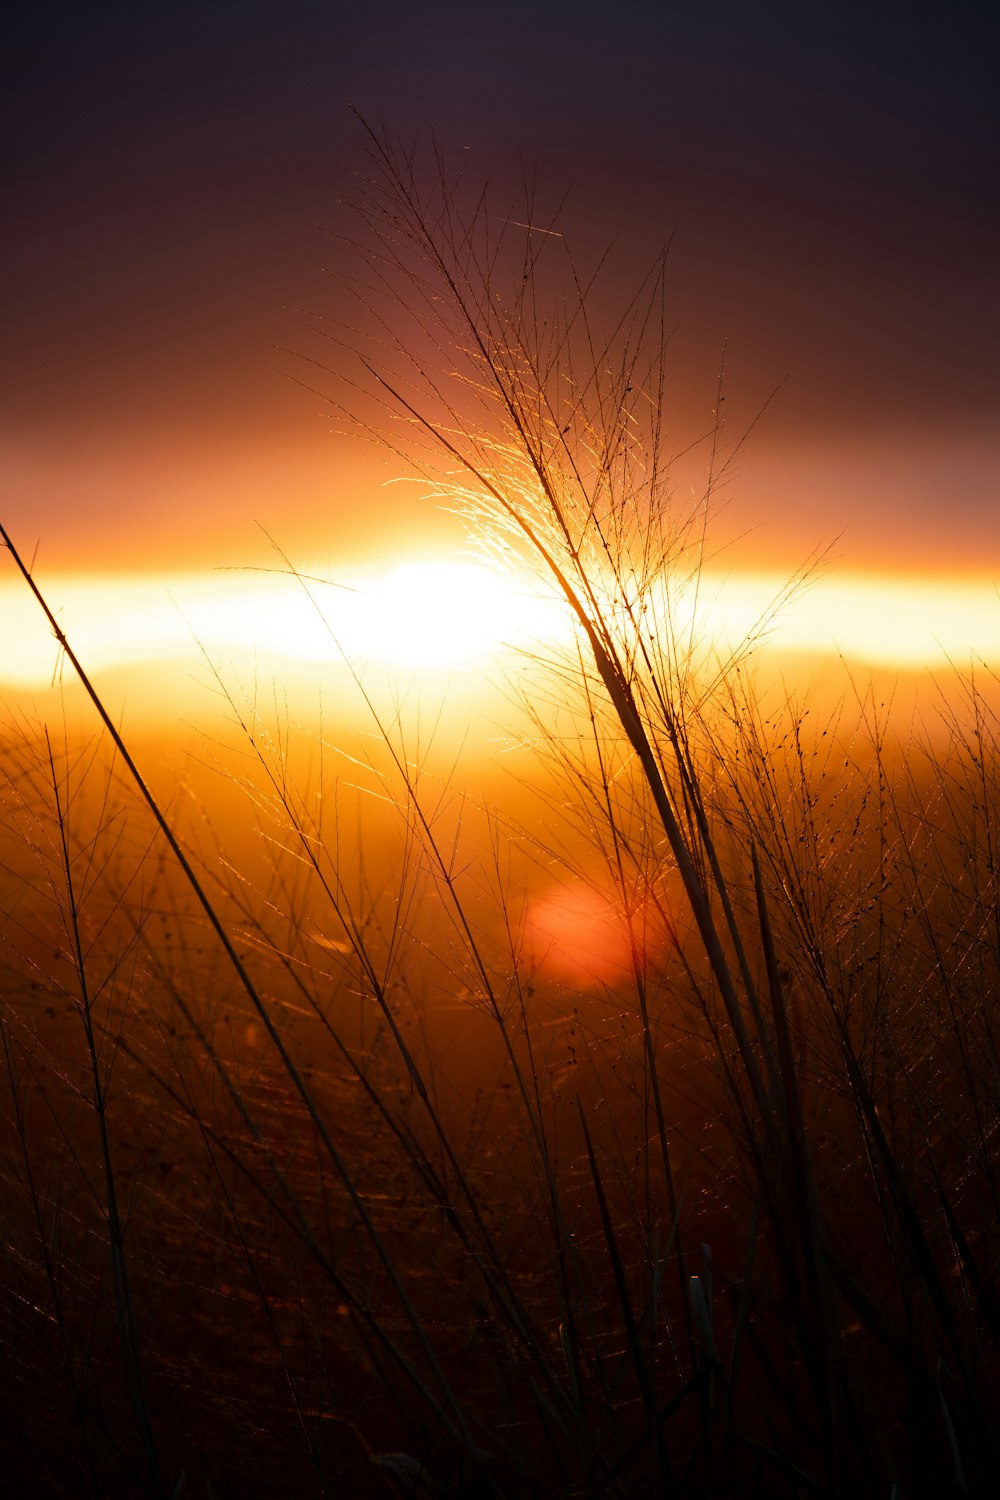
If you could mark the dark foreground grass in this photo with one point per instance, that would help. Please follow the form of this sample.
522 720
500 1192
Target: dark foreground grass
500 1231
320 1178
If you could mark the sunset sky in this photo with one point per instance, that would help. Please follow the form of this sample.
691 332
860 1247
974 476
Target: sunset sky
171 171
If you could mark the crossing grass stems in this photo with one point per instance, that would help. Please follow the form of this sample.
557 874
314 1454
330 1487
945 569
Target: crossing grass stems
725 1225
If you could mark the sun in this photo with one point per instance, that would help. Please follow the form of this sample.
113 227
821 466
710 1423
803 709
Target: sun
439 615
415 617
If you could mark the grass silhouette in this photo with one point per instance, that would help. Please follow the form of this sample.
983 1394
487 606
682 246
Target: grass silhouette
719 1221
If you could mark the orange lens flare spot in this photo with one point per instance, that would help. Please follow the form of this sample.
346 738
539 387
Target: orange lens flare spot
574 934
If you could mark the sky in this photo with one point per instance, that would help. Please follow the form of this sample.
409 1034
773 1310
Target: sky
172 191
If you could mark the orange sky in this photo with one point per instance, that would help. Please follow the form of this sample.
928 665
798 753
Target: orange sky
176 169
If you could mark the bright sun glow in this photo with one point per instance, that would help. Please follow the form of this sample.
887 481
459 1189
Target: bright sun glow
443 614
417 617
433 617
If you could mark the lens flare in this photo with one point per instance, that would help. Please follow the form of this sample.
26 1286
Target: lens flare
572 933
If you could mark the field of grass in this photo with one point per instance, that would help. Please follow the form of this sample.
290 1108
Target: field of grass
370 1132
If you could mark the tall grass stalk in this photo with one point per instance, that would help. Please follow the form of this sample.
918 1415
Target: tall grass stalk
100 1070
549 437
